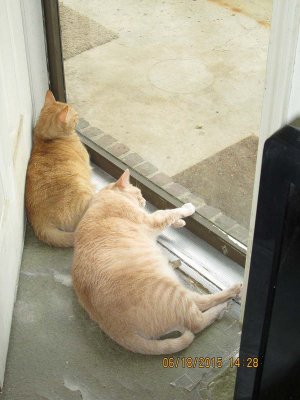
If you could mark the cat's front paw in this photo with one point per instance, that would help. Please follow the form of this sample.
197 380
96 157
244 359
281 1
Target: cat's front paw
187 209
178 224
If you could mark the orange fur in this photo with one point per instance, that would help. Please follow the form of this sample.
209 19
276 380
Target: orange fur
58 181
124 281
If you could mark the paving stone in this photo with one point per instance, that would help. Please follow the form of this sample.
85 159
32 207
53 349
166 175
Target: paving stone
104 141
161 179
176 190
118 149
239 232
146 169
92 132
224 222
132 159
193 198
208 211
82 124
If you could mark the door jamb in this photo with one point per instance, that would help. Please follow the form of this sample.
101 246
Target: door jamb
280 75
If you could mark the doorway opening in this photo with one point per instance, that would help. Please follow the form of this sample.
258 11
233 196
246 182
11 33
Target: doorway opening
174 91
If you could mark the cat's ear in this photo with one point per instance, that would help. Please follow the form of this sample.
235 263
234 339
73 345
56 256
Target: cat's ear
63 115
123 181
49 98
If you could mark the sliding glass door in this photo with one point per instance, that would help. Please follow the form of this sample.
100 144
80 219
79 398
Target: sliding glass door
172 90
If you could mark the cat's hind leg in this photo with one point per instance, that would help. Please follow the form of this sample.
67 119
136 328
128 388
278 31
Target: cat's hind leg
206 301
202 320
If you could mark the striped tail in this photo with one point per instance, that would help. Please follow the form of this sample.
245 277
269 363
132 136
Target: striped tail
139 344
55 237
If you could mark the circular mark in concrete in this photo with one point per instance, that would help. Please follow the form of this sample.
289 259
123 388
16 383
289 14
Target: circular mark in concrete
180 76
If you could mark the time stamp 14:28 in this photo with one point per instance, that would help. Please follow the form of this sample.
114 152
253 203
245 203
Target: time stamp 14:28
209 362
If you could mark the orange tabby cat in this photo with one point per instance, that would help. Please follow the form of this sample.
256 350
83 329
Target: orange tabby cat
58 182
124 281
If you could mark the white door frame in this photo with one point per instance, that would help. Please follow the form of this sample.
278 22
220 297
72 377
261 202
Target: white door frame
23 83
281 101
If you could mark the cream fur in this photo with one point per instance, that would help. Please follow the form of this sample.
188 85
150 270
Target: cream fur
124 281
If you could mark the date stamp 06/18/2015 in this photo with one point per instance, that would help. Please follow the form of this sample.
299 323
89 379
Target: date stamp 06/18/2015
209 362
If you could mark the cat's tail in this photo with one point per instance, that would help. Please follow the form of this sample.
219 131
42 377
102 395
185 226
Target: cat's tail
139 344
55 237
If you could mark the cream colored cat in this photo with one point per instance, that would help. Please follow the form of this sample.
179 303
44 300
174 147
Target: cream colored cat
58 181
124 281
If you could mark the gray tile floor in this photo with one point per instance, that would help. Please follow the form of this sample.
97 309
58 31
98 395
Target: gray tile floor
57 353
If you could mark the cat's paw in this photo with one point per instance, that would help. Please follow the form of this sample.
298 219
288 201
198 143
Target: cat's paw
236 291
221 309
179 224
187 209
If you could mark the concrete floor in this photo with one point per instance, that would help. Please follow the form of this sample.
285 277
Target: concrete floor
57 353
183 81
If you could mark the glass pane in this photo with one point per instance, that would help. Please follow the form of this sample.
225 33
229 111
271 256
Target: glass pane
175 90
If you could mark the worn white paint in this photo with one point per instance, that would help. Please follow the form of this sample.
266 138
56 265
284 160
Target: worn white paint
282 95
23 81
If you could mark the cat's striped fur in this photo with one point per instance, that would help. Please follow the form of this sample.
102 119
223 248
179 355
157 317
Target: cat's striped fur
124 281
58 181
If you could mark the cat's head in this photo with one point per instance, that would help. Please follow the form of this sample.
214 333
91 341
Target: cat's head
124 186
56 119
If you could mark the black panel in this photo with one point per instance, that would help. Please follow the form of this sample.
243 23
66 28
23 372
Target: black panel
271 329
281 372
